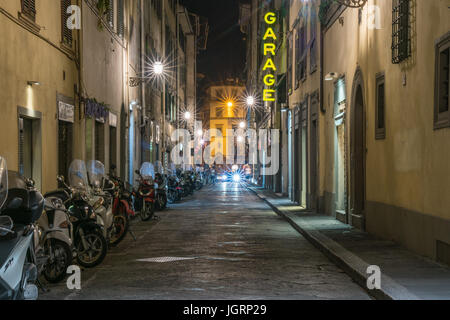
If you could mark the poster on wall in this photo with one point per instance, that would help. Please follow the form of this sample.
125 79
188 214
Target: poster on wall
66 112
112 120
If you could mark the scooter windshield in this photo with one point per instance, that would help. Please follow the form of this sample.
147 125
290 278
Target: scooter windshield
78 174
96 173
147 171
172 169
159 167
3 181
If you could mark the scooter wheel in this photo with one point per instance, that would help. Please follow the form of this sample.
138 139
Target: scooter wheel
56 270
98 244
148 213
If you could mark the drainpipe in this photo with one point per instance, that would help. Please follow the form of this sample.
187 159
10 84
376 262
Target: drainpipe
322 32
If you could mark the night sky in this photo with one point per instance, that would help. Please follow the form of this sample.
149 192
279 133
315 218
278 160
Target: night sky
225 54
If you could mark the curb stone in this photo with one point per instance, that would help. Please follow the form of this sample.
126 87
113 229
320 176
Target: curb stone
351 264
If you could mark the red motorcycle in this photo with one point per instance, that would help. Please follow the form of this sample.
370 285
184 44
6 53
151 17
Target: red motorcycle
145 195
122 209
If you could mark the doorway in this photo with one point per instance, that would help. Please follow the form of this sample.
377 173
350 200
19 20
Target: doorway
358 153
65 139
30 145
290 154
313 153
340 147
100 141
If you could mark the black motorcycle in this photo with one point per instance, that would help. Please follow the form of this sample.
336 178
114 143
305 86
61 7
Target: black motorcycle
161 191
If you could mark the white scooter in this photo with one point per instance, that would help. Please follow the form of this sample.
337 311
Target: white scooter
21 206
101 200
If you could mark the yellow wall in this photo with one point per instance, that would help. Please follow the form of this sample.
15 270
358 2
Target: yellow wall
409 170
24 57
231 116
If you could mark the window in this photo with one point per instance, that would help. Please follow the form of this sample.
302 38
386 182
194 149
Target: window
29 8
120 19
441 104
380 105
111 13
157 5
313 42
66 33
289 73
401 33
301 53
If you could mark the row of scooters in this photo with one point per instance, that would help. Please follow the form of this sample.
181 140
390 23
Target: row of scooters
41 235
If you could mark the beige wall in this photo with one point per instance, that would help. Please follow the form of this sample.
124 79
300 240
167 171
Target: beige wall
103 72
26 56
407 171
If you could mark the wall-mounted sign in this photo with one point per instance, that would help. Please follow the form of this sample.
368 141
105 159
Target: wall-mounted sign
112 119
66 112
269 51
96 110
158 134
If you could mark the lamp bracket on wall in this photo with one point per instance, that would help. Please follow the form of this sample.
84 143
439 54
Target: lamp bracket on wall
352 3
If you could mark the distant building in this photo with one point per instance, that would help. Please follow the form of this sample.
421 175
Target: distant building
226 112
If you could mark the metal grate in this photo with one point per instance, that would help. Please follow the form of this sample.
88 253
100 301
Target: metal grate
401 31
165 259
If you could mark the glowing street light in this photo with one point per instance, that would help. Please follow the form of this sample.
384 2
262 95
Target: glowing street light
187 115
229 104
240 139
158 68
242 125
250 101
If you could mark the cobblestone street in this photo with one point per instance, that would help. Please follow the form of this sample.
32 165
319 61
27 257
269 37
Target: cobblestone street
222 243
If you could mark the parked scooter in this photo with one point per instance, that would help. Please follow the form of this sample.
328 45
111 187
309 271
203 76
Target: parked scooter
122 208
101 200
174 190
145 193
88 235
20 207
56 234
161 187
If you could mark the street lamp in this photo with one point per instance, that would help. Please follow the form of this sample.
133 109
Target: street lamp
229 104
158 68
242 125
250 101
187 115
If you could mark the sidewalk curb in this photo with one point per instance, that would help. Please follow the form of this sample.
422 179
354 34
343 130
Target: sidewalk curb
354 266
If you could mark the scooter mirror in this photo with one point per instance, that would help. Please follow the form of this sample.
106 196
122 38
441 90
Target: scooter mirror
6 225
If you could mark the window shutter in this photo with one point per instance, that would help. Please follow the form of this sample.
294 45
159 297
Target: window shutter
120 18
65 32
111 13
29 8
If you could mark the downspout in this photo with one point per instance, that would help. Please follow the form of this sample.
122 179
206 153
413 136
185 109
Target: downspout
322 31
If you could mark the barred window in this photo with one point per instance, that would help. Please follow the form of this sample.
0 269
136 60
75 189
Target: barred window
66 33
313 41
29 8
442 86
120 18
111 13
401 31
380 104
